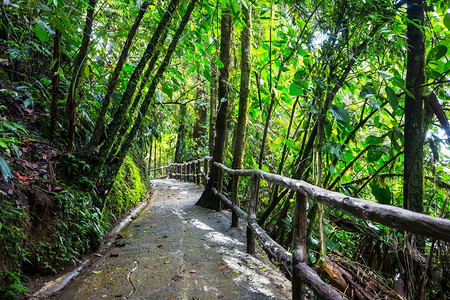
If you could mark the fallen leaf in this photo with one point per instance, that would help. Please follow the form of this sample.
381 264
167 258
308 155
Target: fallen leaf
114 255
223 267
264 270
167 262
159 246
121 236
217 221
97 272
228 209
191 250
172 298
176 278
192 271
112 282
104 296
146 212
98 255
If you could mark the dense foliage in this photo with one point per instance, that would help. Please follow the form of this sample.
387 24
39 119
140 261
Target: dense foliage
115 83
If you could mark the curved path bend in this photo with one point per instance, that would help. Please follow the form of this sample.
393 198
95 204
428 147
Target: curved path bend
176 250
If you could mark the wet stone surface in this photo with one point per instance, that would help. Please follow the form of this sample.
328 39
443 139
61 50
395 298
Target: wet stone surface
176 250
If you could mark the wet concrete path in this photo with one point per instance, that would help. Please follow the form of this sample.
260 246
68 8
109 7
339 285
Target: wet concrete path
175 250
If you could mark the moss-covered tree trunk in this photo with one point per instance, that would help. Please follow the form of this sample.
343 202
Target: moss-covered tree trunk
207 199
78 66
117 161
413 170
241 127
100 124
55 83
126 101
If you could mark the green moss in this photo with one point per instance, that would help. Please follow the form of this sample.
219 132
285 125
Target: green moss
128 190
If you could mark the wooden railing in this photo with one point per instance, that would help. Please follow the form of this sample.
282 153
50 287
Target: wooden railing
195 171
296 261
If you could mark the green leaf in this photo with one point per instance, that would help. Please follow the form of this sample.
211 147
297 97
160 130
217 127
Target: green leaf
373 140
340 113
295 90
447 21
219 63
6 171
383 195
392 98
87 71
437 53
384 75
374 154
291 145
40 32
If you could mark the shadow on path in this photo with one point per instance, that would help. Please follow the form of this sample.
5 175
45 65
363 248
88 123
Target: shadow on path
175 250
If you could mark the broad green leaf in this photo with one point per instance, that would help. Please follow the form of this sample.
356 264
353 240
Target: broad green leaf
6 171
291 145
340 113
437 53
447 21
383 195
40 32
373 140
384 75
87 72
219 63
392 98
295 90
374 154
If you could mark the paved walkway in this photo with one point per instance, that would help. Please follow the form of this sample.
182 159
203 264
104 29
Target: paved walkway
175 250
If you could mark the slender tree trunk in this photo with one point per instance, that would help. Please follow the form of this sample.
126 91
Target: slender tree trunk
241 126
207 199
413 170
78 66
100 125
55 83
117 163
181 136
212 107
126 101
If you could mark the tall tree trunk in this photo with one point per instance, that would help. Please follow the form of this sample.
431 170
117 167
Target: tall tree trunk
207 199
198 131
181 136
55 83
100 125
124 107
413 169
78 66
241 126
117 162
212 106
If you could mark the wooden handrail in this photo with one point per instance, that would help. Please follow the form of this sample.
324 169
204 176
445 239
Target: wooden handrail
184 171
391 216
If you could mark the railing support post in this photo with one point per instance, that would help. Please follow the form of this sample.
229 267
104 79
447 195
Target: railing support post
205 171
299 252
254 188
197 171
220 185
234 200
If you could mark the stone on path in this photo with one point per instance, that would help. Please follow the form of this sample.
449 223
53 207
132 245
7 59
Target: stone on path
175 250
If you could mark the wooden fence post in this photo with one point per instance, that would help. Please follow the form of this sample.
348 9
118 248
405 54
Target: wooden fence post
197 172
254 188
299 252
205 171
220 185
234 200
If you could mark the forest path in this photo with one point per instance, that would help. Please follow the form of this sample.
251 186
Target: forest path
176 250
